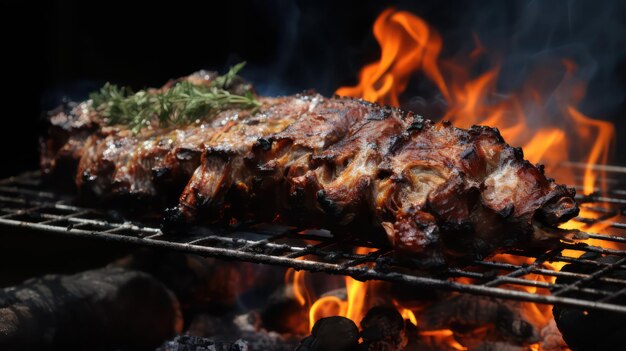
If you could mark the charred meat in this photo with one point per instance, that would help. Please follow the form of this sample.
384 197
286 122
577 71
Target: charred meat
438 193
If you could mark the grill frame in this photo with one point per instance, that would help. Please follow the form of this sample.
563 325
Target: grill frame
25 203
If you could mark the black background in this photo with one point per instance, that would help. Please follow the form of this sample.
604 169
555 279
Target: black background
68 48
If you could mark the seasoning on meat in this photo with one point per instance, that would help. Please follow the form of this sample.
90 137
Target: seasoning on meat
437 193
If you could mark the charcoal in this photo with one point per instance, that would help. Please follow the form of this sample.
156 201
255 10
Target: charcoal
246 327
195 343
383 330
592 329
263 340
413 338
283 313
331 334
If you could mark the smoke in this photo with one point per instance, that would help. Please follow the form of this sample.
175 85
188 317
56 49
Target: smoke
323 45
530 33
270 76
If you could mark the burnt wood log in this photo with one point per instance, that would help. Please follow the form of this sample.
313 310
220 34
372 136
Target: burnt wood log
103 309
464 313
331 334
592 330
202 283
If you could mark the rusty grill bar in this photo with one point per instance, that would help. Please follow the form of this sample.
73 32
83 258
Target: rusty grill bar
24 202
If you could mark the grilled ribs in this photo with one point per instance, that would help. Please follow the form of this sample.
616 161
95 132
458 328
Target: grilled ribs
438 193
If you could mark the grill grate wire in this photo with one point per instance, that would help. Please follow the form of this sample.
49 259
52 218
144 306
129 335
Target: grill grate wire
26 203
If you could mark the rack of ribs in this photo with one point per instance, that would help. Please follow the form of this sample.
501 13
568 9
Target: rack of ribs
435 193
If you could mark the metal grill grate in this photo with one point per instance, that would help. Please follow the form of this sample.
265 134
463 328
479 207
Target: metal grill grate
598 284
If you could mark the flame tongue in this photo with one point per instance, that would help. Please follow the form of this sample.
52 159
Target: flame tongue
541 116
353 307
407 44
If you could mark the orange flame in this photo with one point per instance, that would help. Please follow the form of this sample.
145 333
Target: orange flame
326 306
407 43
443 337
407 314
295 279
600 150
353 308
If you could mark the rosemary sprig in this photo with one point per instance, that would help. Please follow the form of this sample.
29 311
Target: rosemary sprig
183 103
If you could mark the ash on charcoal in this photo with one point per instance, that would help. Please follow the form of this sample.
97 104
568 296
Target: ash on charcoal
195 343
245 327
551 338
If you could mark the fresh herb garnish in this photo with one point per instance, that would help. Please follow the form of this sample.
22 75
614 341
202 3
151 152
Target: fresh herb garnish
181 104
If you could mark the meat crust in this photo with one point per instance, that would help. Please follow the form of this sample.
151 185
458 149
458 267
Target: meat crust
438 193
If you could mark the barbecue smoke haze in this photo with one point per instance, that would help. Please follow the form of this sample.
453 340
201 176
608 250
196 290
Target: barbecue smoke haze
319 47
567 51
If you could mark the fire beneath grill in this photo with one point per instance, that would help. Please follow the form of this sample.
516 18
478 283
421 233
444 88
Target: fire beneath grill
505 305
